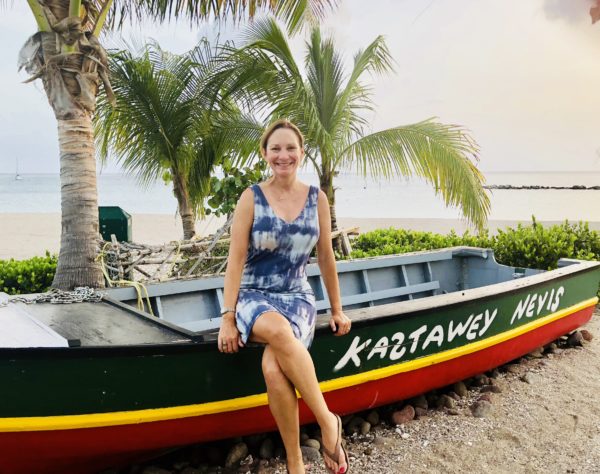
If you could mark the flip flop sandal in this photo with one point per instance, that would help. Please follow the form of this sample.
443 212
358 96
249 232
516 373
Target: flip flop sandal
339 448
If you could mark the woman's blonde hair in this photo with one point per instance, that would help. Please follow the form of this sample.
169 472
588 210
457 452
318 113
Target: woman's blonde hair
281 123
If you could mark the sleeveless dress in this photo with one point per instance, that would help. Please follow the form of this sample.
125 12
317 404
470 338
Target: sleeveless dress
274 277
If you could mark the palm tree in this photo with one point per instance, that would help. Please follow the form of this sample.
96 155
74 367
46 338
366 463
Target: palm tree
66 55
327 104
165 121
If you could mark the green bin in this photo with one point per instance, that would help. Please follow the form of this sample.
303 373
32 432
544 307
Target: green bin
114 220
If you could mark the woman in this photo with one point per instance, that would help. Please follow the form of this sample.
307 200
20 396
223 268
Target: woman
267 297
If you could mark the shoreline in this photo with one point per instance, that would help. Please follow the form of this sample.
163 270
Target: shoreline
28 235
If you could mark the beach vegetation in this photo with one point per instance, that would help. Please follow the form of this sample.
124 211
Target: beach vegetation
332 107
526 246
33 275
66 54
166 123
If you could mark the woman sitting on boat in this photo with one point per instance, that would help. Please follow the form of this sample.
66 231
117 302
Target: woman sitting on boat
267 296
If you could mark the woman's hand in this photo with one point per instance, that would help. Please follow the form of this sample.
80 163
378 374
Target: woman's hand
229 339
340 323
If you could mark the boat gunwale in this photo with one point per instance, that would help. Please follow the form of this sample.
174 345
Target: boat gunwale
205 340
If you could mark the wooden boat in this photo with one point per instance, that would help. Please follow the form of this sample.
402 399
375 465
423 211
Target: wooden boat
104 384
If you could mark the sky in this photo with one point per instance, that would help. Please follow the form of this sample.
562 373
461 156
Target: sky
522 76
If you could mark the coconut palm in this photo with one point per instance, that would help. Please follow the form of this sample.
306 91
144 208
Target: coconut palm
66 55
328 105
165 121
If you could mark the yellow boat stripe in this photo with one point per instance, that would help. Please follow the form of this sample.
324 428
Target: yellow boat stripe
96 420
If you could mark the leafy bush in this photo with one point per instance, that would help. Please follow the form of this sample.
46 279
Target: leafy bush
27 276
531 246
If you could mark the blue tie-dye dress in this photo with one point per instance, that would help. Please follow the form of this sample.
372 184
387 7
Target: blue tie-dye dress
274 277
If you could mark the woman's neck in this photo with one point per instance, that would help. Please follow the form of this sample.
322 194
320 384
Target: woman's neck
284 184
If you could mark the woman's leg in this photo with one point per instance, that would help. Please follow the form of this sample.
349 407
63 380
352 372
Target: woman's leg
284 407
295 362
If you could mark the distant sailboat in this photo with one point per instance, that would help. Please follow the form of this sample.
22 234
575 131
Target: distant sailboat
18 177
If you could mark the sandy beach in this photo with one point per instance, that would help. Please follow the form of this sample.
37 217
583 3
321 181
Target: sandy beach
27 235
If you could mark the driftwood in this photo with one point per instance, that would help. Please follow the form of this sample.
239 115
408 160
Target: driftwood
207 256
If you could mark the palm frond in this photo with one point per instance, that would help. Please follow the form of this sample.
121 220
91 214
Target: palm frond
444 155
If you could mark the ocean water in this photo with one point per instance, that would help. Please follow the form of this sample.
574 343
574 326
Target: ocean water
356 196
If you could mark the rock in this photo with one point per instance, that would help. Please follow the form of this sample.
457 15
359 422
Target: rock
420 413
513 369
480 380
537 353
431 398
420 402
453 412
481 409
383 441
354 425
528 377
587 336
214 454
312 443
368 450
236 454
491 388
191 470
365 427
266 450
445 402
373 417
486 397
155 470
180 465
452 394
404 436
346 419
310 454
575 339
550 348
460 389
494 374
403 416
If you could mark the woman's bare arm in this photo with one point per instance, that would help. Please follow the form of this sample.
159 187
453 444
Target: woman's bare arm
339 322
238 251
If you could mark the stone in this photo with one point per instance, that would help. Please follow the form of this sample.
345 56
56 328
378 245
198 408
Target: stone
214 454
155 470
486 397
365 427
453 412
354 425
452 394
373 417
551 348
383 441
587 336
267 449
312 443
537 353
420 402
513 368
480 380
236 454
481 409
368 450
403 416
420 413
491 388
460 389
191 470
528 377
310 454
445 402
494 374
575 339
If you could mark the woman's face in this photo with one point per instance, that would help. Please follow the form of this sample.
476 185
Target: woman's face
283 153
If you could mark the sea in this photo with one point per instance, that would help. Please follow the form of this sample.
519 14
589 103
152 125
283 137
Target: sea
356 196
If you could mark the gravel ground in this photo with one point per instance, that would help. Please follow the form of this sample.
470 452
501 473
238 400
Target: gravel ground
542 417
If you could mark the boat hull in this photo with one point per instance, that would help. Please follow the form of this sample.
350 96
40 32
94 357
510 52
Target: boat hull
121 405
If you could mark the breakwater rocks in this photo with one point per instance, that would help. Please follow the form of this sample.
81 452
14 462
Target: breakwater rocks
577 187
379 439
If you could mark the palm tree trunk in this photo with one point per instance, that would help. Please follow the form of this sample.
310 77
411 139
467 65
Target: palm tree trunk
188 217
77 264
326 184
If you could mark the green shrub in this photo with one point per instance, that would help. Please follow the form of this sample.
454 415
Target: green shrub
532 246
33 275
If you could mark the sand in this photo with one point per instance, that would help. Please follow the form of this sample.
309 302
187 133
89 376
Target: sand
27 235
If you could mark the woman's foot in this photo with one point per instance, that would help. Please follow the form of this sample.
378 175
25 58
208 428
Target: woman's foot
334 454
